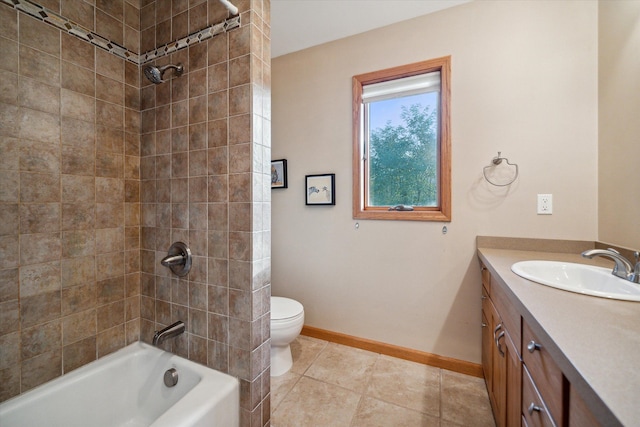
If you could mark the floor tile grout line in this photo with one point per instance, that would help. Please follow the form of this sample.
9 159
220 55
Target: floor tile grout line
364 392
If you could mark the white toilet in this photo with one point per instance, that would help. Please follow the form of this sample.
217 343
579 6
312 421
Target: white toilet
287 318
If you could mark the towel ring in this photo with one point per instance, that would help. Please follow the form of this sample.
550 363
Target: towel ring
495 162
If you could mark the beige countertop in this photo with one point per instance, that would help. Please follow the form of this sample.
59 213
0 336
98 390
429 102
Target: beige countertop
596 341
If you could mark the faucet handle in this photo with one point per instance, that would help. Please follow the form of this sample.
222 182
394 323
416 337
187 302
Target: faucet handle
613 250
636 255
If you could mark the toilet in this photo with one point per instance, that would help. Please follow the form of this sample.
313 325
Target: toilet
287 318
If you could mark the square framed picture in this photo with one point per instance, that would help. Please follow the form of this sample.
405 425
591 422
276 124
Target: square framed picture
279 173
320 189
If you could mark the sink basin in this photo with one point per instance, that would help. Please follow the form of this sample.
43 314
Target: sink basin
579 278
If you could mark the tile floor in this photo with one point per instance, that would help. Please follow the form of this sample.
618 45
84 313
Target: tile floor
333 385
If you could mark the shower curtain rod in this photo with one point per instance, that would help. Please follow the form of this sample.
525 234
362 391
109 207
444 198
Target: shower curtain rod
231 7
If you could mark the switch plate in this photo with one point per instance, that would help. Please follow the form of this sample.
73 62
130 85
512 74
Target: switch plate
545 204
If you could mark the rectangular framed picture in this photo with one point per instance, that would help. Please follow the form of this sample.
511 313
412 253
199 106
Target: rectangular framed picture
320 189
279 173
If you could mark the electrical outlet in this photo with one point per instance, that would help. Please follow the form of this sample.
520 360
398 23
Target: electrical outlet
545 204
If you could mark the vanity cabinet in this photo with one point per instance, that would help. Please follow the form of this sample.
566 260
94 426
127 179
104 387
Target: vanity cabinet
525 385
500 356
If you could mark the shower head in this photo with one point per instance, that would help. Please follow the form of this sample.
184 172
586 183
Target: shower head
154 74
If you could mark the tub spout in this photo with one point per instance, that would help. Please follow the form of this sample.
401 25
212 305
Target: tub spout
169 332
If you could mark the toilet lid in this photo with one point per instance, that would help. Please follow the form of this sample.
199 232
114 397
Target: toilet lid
285 308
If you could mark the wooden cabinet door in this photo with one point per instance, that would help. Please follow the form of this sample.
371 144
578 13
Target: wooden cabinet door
513 383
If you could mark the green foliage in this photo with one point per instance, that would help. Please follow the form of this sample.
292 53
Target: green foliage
403 160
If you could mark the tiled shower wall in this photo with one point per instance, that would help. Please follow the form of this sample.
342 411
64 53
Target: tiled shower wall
204 144
69 196
99 177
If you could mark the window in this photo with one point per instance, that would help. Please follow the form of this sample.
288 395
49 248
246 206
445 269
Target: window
402 143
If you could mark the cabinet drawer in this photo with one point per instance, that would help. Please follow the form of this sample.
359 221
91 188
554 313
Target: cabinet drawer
544 372
534 410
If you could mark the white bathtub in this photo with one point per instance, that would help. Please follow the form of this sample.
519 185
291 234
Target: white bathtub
126 389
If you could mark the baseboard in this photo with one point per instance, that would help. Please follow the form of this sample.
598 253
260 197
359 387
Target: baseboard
425 358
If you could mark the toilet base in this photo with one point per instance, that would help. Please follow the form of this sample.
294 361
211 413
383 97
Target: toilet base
281 360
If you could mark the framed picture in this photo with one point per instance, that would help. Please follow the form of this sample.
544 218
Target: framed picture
279 173
320 189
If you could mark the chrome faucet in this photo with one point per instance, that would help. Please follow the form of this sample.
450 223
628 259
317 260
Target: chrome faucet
169 332
623 267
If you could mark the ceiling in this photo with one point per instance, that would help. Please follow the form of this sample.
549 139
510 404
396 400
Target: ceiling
299 24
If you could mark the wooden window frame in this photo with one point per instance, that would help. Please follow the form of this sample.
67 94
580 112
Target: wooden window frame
441 212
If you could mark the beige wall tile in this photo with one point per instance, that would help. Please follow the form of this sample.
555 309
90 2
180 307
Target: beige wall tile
9 49
38 156
80 12
131 16
33 63
39 217
78 216
109 215
115 8
38 96
77 161
78 51
8 87
78 79
78 243
9 219
109 240
39 126
110 114
41 339
42 37
109 165
79 353
77 189
109 90
78 298
9 23
77 106
109 190
39 187
39 308
109 65
9 287
110 340
78 133
197 163
240 129
40 369
10 317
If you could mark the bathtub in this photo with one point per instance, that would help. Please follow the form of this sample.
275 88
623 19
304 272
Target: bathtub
127 389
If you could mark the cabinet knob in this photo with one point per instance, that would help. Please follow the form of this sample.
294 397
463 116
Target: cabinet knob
533 407
533 346
484 325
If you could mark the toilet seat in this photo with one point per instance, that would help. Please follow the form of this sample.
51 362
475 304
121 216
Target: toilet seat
285 309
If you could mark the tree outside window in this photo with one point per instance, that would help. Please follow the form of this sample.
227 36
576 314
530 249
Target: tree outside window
402 157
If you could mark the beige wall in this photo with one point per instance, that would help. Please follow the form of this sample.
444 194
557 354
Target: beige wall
524 83
619 144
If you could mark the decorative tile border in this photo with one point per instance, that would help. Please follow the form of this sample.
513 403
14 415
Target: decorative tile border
191 39
62 23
